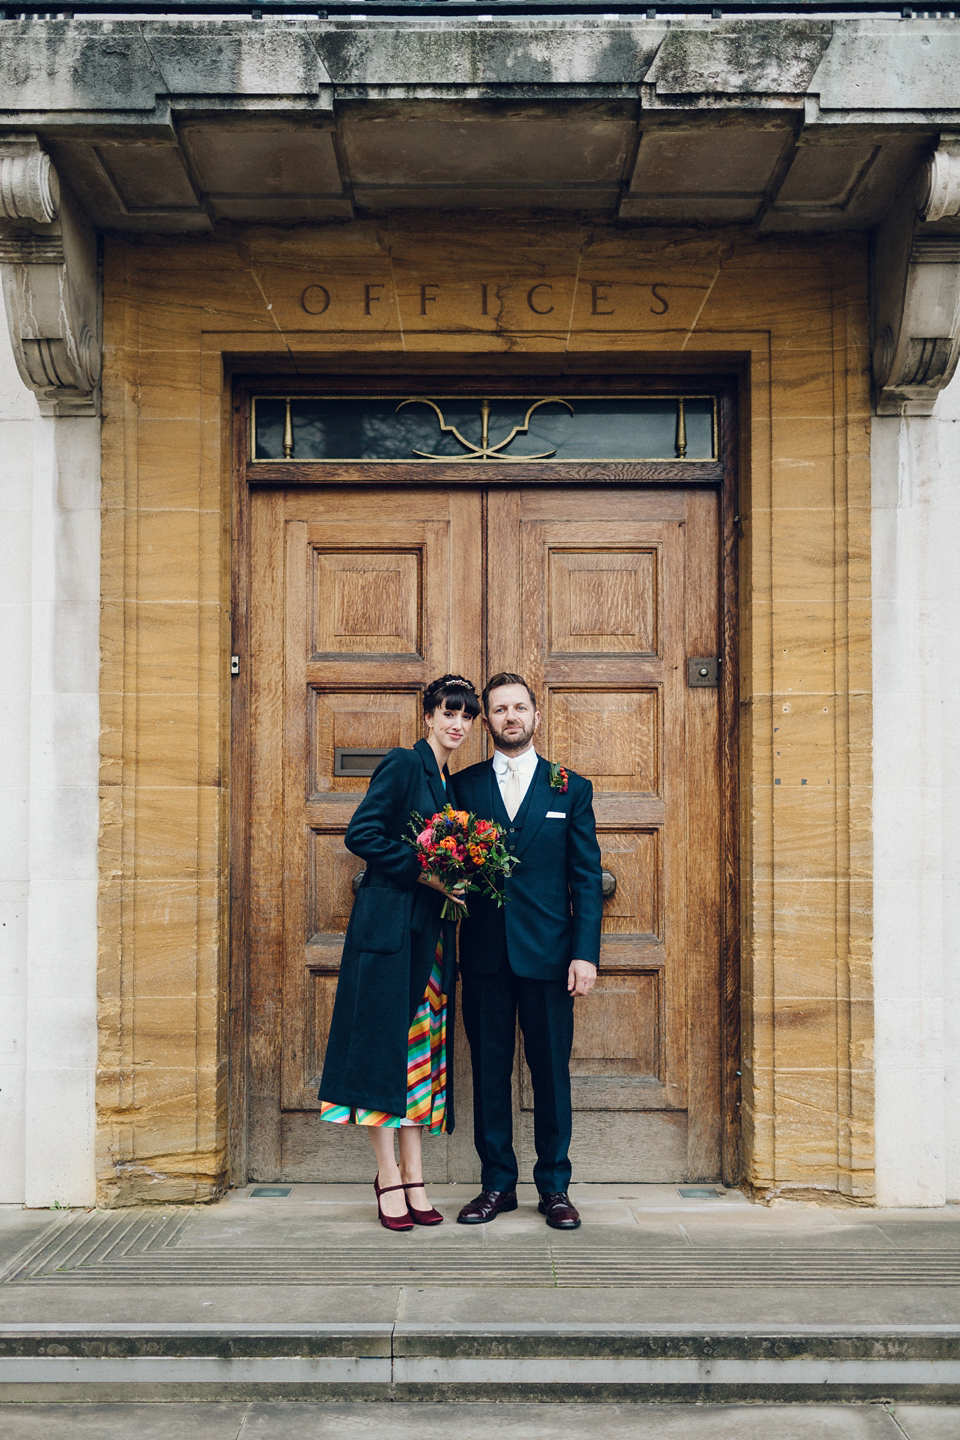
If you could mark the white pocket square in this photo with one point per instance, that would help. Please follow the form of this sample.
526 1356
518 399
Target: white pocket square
556 815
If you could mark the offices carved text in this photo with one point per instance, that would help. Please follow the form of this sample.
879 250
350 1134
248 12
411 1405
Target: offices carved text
543 298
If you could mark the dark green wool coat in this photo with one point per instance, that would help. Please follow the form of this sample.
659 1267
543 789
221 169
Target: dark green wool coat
390 943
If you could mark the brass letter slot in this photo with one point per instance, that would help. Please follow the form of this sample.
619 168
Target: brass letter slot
356 762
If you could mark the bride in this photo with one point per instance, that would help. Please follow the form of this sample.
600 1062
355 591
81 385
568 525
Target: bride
388 1063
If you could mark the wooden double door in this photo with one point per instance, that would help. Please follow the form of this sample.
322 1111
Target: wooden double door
360 597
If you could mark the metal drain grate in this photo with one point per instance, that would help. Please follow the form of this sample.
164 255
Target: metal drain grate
146 1250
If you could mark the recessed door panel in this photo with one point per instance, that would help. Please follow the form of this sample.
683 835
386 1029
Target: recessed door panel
602 602
367 602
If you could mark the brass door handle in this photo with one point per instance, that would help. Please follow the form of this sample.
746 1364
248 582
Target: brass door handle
608 883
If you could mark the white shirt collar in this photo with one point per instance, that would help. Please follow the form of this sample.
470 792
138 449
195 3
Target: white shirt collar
526 763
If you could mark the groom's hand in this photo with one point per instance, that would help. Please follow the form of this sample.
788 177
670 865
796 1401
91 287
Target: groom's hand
581 977
456 895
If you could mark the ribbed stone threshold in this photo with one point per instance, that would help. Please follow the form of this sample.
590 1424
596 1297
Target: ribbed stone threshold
144 1249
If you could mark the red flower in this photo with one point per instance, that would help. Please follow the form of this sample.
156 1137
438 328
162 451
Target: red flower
559 780
460 850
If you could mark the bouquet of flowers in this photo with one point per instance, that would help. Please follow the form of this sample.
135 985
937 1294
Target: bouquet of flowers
461 851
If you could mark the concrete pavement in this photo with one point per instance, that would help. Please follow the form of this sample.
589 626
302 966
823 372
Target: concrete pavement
304 1421
659 1296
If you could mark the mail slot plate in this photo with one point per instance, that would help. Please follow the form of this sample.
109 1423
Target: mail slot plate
356 762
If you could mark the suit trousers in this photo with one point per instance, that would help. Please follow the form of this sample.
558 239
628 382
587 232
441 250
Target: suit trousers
491 1006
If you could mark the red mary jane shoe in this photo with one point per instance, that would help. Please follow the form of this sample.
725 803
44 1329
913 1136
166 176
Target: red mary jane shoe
422 1217
391 1222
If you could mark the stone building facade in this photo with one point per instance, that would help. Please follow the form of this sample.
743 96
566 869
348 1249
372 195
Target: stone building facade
758 214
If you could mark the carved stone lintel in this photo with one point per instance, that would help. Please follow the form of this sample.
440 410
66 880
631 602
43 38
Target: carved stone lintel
51 289
915 290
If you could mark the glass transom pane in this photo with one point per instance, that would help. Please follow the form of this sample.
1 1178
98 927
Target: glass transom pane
496 430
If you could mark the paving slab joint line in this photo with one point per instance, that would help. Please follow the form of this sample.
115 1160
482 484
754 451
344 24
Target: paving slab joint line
888 1407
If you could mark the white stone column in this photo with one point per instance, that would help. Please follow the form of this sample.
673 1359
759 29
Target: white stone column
949 539
916 767
18 414
49 683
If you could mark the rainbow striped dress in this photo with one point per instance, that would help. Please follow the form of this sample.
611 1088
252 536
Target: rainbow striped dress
426 1067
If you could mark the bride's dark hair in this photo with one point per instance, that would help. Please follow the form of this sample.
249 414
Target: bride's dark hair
454 693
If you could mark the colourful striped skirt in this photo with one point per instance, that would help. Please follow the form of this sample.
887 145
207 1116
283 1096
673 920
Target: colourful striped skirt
426 1068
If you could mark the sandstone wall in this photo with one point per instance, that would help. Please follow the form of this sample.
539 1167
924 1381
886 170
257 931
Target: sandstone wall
792 311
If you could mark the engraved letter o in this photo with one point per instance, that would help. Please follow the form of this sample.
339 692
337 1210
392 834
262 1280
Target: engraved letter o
315 299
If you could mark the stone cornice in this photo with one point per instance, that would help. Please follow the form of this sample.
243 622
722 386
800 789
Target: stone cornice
77 72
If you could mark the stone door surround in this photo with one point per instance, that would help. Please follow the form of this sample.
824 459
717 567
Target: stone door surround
181 317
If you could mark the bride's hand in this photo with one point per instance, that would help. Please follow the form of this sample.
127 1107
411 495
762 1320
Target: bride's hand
456 894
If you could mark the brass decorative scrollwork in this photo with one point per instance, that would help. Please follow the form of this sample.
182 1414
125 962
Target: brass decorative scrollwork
485 451
287 432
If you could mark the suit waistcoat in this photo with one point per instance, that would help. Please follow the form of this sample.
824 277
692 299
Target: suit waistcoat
512 830
515 825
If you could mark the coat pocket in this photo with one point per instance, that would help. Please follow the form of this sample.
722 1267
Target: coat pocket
381 919
425 910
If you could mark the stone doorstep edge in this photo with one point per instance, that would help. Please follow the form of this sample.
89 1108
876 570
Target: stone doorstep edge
389 1360
464 1344
127 1392
340 1378
533 1361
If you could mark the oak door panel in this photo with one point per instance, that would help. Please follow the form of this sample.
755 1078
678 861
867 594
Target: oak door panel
358 601
599 598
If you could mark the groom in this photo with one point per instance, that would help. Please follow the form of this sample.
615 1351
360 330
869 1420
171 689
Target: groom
529 958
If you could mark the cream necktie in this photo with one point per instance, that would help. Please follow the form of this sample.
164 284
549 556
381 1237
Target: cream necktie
512 791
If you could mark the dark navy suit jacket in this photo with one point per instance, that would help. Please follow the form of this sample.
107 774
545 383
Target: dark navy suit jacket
553 906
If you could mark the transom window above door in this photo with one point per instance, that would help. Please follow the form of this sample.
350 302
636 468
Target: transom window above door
499 429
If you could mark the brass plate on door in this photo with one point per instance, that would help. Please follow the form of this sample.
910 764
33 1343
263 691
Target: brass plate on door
356 762
703 672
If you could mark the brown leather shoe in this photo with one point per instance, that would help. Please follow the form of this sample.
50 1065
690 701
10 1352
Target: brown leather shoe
487 1206
560 1211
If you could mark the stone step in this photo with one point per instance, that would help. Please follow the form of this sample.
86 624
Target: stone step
408 1361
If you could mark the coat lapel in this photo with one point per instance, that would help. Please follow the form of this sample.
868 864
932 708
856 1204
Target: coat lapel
492 795
432 774
539 803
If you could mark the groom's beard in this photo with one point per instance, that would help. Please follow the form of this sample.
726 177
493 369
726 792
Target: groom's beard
513 741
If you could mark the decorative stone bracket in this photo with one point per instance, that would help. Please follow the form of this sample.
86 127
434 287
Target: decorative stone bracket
51 284
915 290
